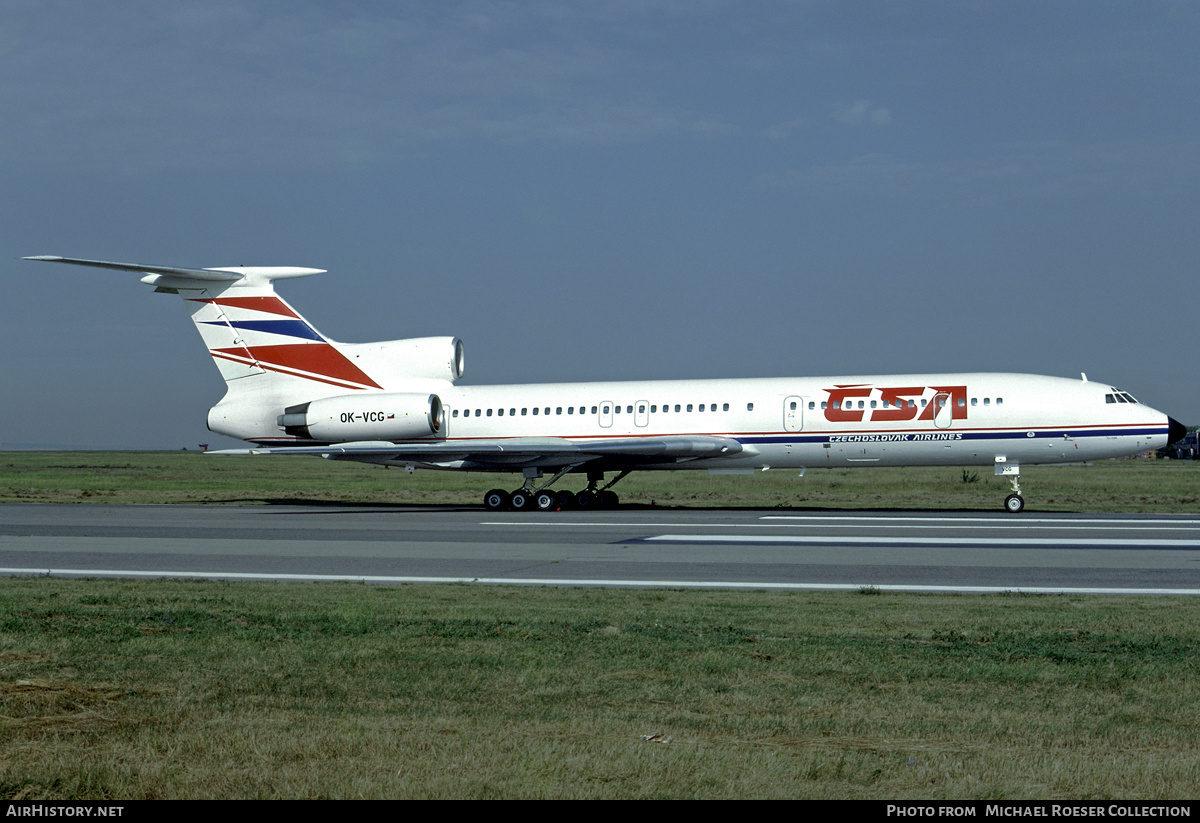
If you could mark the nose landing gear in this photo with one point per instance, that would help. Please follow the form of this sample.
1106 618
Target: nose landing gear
1014 503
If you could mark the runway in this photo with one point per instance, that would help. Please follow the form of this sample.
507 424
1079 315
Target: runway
672 548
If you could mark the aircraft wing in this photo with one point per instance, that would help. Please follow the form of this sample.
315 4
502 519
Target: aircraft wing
516 453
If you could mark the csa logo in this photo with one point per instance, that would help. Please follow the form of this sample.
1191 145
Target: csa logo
903 403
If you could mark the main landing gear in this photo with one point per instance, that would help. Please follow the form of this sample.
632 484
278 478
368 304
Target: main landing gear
546 499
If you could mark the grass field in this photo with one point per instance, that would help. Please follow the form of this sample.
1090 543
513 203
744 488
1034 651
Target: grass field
184 689
115 689
193 477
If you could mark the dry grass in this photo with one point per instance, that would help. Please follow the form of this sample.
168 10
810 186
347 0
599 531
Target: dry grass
191 477
118 689
125 690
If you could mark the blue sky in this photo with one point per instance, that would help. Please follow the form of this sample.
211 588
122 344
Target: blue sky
601 190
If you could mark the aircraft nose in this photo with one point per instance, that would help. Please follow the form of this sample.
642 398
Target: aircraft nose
1175 430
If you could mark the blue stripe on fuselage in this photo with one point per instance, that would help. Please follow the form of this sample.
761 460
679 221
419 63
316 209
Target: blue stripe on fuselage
947 435
286 328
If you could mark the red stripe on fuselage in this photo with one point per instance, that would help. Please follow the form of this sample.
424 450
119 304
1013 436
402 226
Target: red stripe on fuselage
319 359
268 305
245 360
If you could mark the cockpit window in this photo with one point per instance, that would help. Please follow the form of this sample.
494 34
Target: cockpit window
1119 397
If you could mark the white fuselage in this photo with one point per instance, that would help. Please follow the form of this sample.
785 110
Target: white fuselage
894 420
292 390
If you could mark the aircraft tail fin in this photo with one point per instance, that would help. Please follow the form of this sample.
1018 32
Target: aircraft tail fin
249 330
272 358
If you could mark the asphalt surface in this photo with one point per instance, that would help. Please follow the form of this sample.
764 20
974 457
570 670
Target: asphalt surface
626 547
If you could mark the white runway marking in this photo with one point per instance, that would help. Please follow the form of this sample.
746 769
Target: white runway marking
935 541
995 521
1046 523
891 522
540 581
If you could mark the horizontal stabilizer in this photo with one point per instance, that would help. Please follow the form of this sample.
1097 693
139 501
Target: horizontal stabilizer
194 274
219 275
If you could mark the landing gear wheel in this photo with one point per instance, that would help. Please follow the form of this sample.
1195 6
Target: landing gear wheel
585 499
1014 503
564 500
607 499
495 500
520 500
546 500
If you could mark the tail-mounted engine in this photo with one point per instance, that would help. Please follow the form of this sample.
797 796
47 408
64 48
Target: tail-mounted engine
384 416
394 361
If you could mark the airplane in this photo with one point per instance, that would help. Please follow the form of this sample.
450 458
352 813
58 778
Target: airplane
292 390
